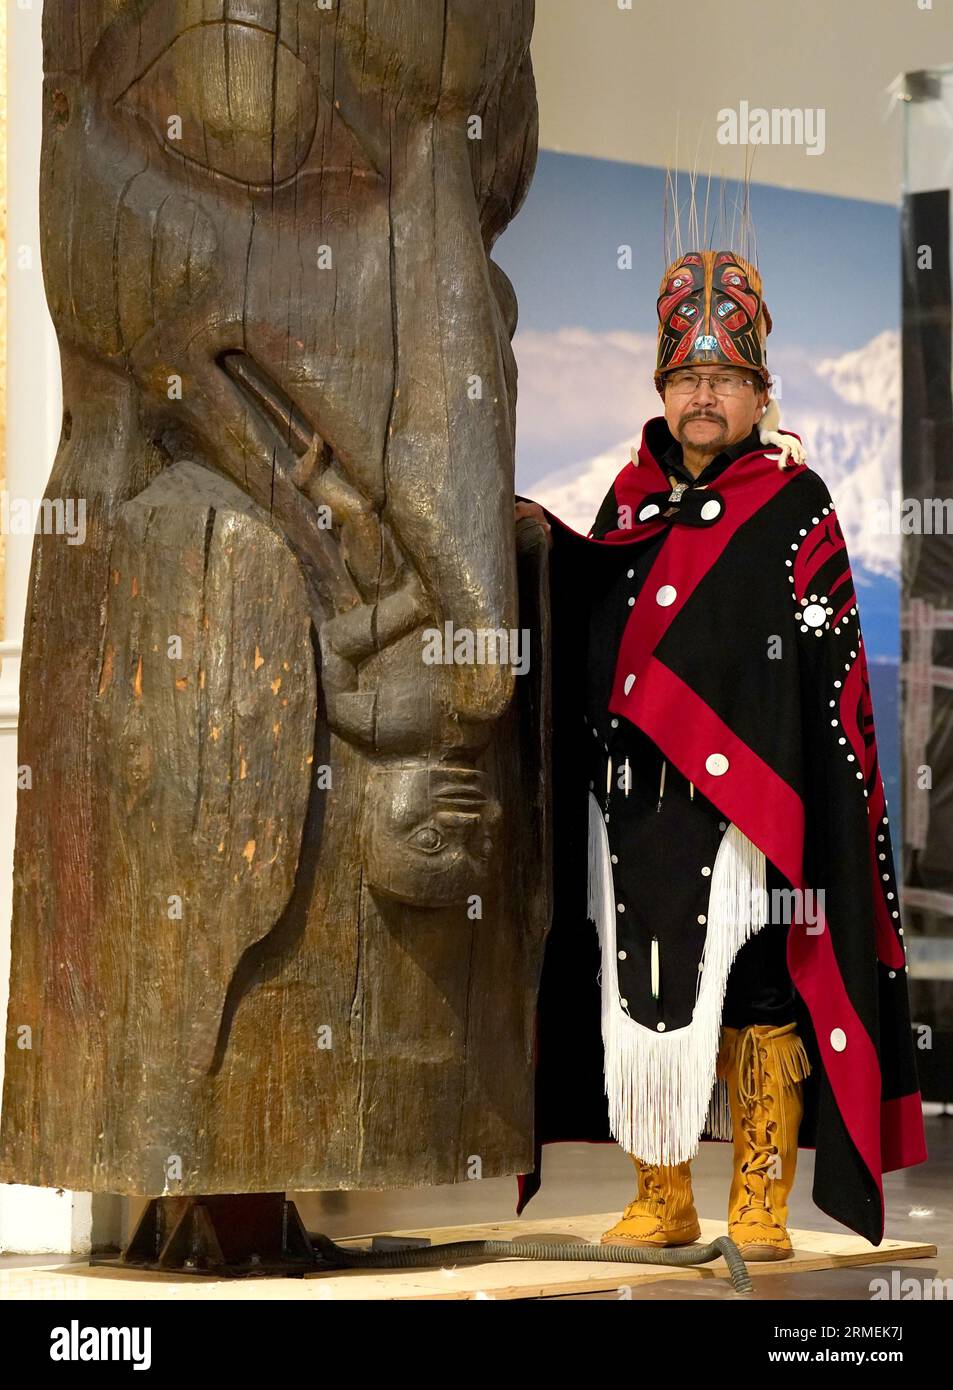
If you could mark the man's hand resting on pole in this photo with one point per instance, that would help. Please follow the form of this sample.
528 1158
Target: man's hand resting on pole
533 509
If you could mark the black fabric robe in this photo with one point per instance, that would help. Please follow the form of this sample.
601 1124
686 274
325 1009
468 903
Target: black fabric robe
685 678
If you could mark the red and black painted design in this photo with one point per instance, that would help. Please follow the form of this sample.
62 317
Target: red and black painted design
745 641
711 311
682 305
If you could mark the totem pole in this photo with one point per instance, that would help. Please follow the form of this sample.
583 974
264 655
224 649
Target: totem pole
280 892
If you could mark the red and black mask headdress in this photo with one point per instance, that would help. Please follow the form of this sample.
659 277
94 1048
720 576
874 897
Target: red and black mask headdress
711 313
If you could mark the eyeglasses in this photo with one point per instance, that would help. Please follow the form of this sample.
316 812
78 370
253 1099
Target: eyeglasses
687 383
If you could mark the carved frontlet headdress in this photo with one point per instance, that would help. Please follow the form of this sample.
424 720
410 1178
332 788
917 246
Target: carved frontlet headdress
710 306
711 313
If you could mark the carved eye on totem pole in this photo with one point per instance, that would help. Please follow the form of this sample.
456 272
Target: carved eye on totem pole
258 130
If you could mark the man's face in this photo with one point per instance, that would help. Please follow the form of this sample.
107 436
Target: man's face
706 418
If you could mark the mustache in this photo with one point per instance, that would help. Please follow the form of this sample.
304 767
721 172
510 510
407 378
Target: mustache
715 419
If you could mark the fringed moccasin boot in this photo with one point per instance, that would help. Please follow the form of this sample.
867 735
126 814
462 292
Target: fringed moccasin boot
764 1068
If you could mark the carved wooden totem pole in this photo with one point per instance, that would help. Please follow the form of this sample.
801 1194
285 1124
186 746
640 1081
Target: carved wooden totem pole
280 880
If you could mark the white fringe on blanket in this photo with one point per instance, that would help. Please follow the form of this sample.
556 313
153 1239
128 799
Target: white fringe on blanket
660 1085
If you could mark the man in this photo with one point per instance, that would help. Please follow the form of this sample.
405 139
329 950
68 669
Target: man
710 684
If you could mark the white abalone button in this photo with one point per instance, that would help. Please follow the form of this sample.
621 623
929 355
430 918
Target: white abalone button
712 508
814 615
838 1040
629 682
648 511
716 764
666 595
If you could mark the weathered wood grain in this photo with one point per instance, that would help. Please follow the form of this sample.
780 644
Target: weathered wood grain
281 886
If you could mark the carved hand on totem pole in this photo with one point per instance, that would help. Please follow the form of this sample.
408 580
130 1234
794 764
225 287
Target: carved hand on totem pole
290 403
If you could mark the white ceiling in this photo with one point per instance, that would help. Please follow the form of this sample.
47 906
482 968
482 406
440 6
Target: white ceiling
612 82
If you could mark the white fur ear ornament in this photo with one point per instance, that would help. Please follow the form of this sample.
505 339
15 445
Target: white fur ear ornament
793 452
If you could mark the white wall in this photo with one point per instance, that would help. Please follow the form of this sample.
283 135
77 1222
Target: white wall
612 81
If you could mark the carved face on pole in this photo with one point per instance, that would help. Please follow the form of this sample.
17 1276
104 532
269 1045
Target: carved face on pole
431 834
289 402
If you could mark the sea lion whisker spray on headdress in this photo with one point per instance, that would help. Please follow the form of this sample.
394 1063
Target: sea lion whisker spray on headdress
711 312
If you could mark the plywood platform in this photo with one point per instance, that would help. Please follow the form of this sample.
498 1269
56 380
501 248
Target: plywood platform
505 1279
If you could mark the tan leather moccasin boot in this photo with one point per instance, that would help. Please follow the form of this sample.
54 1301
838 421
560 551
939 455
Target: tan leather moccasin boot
765 1068
663 1211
